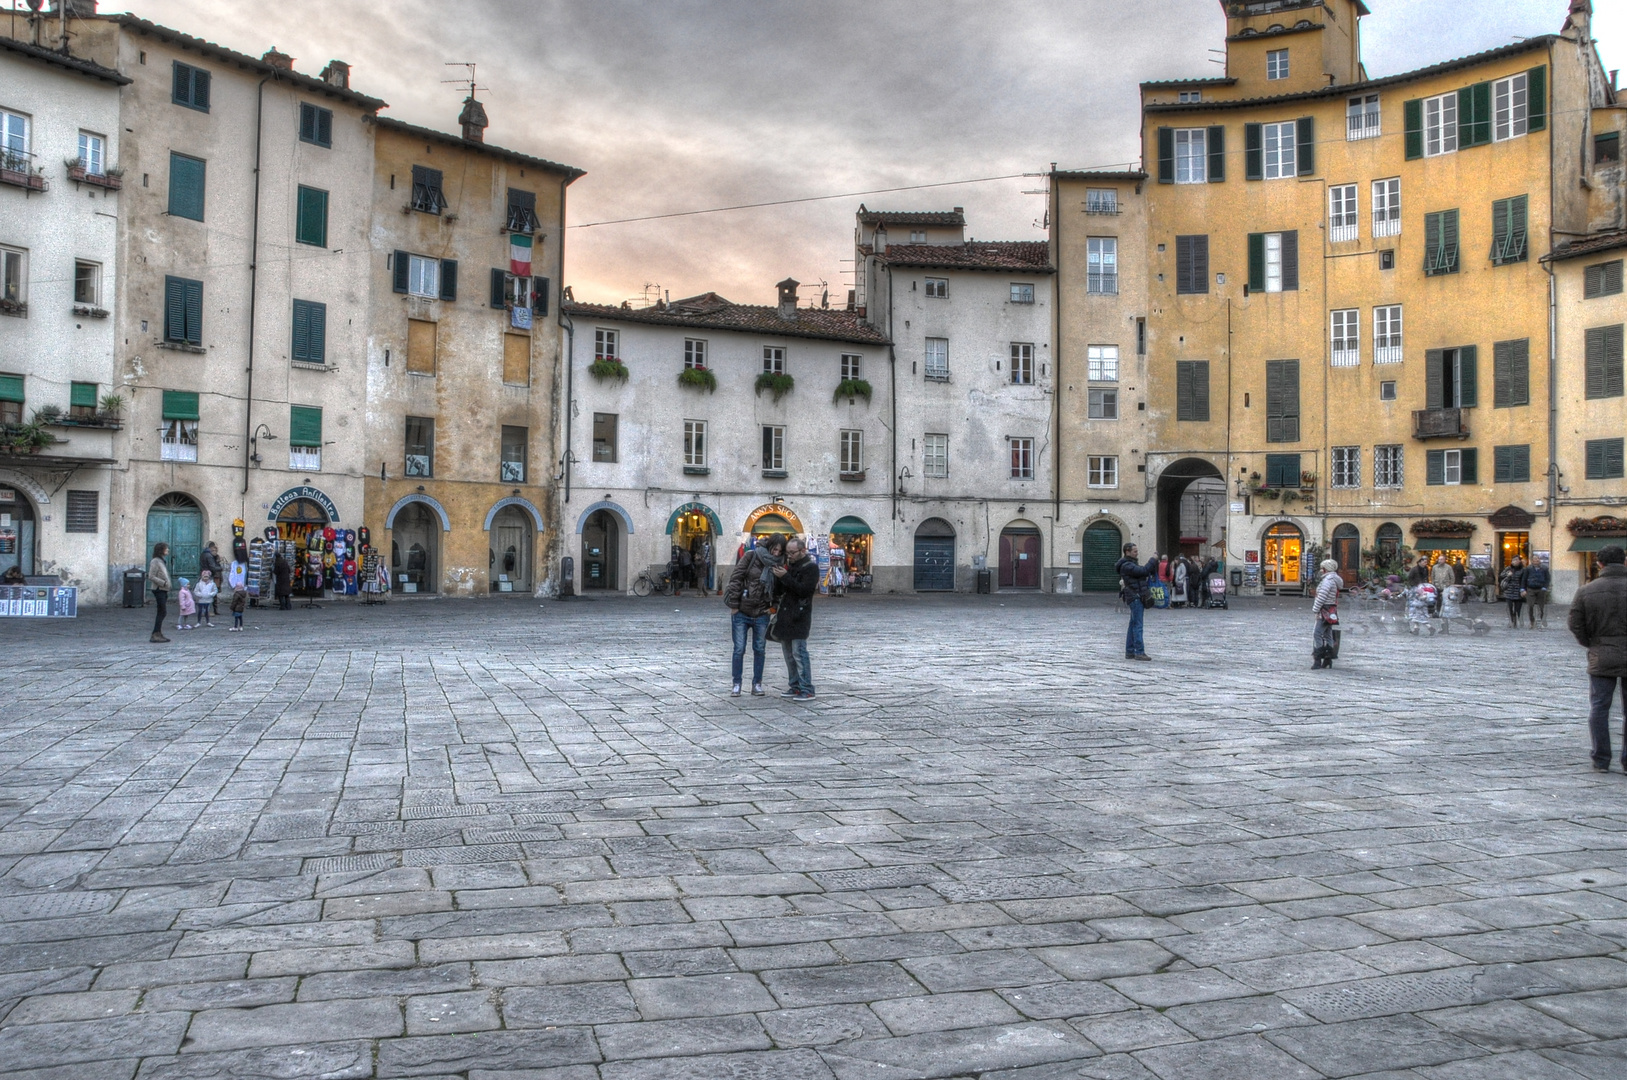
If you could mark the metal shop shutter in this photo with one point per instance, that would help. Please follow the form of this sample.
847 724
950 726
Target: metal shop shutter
934 564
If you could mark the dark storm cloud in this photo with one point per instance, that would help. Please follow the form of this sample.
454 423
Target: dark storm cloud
682 104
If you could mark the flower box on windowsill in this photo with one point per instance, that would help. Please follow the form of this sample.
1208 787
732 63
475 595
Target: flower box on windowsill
85 311
17 309
855 477
608 368
698 378
21 178
312 365
696 470
775 474
107 180
775 382
851 388
100 420
182 346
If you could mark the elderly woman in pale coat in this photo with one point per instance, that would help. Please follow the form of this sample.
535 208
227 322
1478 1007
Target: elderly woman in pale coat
1327 596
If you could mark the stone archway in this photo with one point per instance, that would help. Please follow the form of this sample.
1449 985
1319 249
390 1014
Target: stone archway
1180 517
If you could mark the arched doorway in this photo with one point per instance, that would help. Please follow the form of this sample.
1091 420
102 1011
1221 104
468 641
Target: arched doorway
1019 555
1347 551
1191 492
854 541
415 540
1280 569
773 518
1387 548
177 520
935 556
18 531
510 553
601 550
694 528
1103 546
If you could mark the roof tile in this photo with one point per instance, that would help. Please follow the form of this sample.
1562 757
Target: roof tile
1029 255
709 311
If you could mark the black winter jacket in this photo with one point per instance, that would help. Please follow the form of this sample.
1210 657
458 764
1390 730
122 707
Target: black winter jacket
1598 618
793 595
745 591
1136 576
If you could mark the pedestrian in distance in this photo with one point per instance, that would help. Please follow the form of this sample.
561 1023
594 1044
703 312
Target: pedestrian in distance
1538 580
748 596
1511 586
703 566
1442 578
187 603
282 576
1598 619
1179 582
1326 610
1419 573
1134 579
794 586
204 593
159 582
209 564
240 600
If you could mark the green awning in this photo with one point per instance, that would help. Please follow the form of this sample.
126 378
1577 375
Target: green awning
180 405
851 526
772 523
694 508
1437 544
11 388
1597 543
82 395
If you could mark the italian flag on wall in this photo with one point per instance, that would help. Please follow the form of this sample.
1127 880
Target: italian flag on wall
519 254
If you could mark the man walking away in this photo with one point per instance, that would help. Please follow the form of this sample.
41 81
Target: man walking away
1442 578
747 598
1598 619
1538 579
158 581
794 587
1327 598
1135 578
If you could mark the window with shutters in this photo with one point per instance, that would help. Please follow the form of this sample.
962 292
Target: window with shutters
1101 471
1281 141
1511 464
183 311
14 280
851 450
190 87
937 358
1101 200
694 444
1102 363
423 276
773 360
604 437
1606 149
315 124
1346 470
516 289
1389 465
1192 390
1511 107
1508 230
511 446
1282 470
1602 279
1103 404
935 456
606 345
1022 459
517 359
1387 207
178 438
1346 326
1343 223
1511 373
1451 379
1282 401
1440 124
1273 262
1022 292
1191 264
83 515
1102 265
1022 363
427 196
11 399
420 446
1604 361
310 333
1276 64
1362 117
304 438
852 366
82 402
774 449
186 184
1453 467
1441 243
1191 156
421 335
311 220
87 284
937 288
1387 334
522 212
1604 459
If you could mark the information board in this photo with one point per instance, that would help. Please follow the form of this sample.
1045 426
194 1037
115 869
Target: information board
39 601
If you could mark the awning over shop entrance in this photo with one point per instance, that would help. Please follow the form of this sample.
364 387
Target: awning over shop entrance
1439 544
772 523
851 526
1597 543
695 508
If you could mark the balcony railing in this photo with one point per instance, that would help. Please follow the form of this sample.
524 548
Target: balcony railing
1363 125
1387 226
522 219
17 169
1439 424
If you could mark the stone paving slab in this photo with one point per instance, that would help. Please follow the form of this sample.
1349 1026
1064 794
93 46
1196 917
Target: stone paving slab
548 846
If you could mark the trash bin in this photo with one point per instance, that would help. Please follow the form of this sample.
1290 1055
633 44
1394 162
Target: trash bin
1237 579
567 577
1064 582
984 582
135 588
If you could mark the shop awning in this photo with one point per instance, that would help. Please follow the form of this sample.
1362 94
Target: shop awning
772 523
1439 544
1597 543
851 526
694 508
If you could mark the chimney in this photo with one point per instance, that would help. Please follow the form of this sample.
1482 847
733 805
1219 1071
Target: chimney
879 243
337 73
280 61
473 119
788 299
76 9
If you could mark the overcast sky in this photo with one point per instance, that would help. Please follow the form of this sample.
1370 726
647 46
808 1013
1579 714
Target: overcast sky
675 105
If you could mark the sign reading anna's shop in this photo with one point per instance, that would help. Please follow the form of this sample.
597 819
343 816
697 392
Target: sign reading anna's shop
39 601
316 495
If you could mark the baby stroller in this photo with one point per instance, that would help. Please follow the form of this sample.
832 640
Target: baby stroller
1420 601
1452 612
1217 591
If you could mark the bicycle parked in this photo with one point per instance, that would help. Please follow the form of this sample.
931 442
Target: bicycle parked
644 584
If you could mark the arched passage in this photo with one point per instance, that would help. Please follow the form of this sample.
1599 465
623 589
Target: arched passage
1191 493
1347 551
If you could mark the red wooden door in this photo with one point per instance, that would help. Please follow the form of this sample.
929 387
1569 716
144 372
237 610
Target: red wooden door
1008 562
1027 569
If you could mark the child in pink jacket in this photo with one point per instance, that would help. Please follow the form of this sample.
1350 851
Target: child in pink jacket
188 605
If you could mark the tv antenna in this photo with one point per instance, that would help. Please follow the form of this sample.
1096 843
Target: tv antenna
469 82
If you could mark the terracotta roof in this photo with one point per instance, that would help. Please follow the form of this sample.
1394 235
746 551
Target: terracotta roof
1588 245
709 311
953 218
1032 256
1528 45
1096 174
1161 84
255 64
479 147
63 60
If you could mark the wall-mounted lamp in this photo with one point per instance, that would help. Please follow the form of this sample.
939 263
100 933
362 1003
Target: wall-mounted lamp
263 431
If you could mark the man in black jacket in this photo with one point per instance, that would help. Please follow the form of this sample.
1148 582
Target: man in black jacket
1598 618
794 586
1135 578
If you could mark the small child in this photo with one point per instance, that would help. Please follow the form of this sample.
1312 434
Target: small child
205 592
188 605
240 600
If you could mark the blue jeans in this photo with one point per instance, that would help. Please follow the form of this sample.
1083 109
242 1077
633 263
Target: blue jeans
1603 694
798 670
1133 645
758 625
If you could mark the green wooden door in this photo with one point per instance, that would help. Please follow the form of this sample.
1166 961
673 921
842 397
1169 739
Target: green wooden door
176 520
1102 548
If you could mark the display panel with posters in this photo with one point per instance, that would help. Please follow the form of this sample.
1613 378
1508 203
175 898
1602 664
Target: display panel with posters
39 601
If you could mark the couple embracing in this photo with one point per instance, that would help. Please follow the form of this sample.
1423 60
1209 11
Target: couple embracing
776 575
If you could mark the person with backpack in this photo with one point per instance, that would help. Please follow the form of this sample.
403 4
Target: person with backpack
1598 620
747 596
1133 581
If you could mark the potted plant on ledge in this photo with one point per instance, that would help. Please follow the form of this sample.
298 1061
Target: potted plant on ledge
698 378
776 382
851 388
608 367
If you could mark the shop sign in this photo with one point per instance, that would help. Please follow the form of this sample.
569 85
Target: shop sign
316 495
39 601
1251 569
8 495
1480 562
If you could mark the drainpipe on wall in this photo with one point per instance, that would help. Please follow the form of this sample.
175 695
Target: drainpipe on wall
892 365
1056 362
570 346
1553 403
254 270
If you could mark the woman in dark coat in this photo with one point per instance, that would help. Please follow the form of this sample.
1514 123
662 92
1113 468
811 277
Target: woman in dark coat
284 575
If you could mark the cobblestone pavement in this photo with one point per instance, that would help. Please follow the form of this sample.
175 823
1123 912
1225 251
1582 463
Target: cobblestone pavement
537 840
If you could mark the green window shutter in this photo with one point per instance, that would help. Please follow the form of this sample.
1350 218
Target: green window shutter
1217 153
1437 467
1282 470
181 88
186 186
1200 390
1613 458
311 222
1501 395
1166 155
1537 98
1604 279
449 279
499 287
307 123
1508 225
1595 459
1519 464
180 405
11 388
1432 242
302 330
304 426
324 127
1449 239
174 309
1414 114
1501 464
401 263
1612 352
1305 151
1282 400
1183 390
1253 152
1290 400
1290 261
1468 384
310 331
1596 378
539 296
1518 228
194 313
1469 459
82 395
1434 382
1499 230
1479 126
1519 372
200 89
1256 262
319 332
